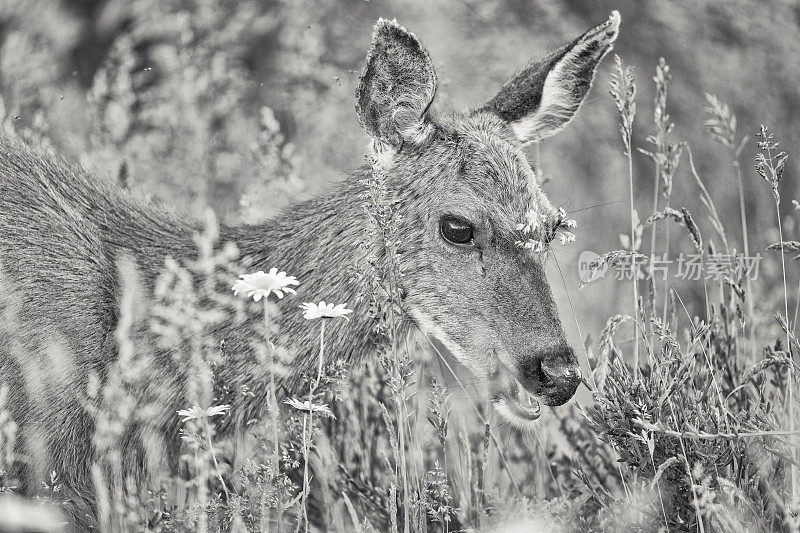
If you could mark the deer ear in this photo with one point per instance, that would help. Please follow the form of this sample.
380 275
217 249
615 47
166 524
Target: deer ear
396 87
546 94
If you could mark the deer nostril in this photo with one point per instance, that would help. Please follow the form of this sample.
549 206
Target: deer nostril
552 376
561 373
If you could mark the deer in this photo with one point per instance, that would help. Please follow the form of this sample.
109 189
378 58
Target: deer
462 183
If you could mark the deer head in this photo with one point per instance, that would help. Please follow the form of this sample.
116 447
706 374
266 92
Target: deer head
476 225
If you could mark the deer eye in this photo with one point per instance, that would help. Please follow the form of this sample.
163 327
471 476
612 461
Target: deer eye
455 230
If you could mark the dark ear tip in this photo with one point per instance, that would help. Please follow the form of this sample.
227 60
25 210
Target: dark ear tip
389 29
610 28
606 32
613 22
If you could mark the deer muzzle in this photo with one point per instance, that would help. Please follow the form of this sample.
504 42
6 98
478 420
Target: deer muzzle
552 377
548 378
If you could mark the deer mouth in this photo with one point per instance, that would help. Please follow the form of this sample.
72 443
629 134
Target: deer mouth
511 401
517 406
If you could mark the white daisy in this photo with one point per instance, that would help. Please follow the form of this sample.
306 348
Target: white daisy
312 311
260 285
196 413
310 407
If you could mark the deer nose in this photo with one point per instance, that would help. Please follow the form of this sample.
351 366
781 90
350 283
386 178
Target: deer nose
553 377
564 378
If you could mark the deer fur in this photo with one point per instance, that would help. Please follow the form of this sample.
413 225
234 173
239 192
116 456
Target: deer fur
64 232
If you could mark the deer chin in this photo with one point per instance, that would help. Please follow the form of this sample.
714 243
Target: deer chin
519 409
511 401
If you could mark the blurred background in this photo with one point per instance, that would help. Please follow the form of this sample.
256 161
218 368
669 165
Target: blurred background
247 106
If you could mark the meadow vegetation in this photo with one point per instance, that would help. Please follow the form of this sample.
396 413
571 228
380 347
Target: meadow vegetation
690 422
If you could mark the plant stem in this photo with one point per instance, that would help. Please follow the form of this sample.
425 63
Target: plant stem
790 398
796 307
655 209
307 440
305 474
398 394
276 464
656 183
720 229
745 236
793 476
214 458
321 353
748 334
648 426
634 272
666 256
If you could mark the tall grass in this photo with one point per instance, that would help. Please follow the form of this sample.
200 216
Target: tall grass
769 164
696 436
623 90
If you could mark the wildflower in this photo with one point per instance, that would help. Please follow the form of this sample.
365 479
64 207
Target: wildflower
565 237
531 244
310 407
196 413
561 220
260 285
531 223
312 311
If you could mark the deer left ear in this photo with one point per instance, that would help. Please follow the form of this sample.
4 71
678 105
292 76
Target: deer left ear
396 88
544 96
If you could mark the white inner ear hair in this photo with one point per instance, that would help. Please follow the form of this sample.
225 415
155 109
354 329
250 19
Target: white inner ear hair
559 101
382 154
417 133
411 127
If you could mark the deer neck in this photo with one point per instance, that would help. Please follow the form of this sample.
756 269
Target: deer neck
322 243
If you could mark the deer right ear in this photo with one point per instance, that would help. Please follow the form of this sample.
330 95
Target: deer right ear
546 94
396 88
